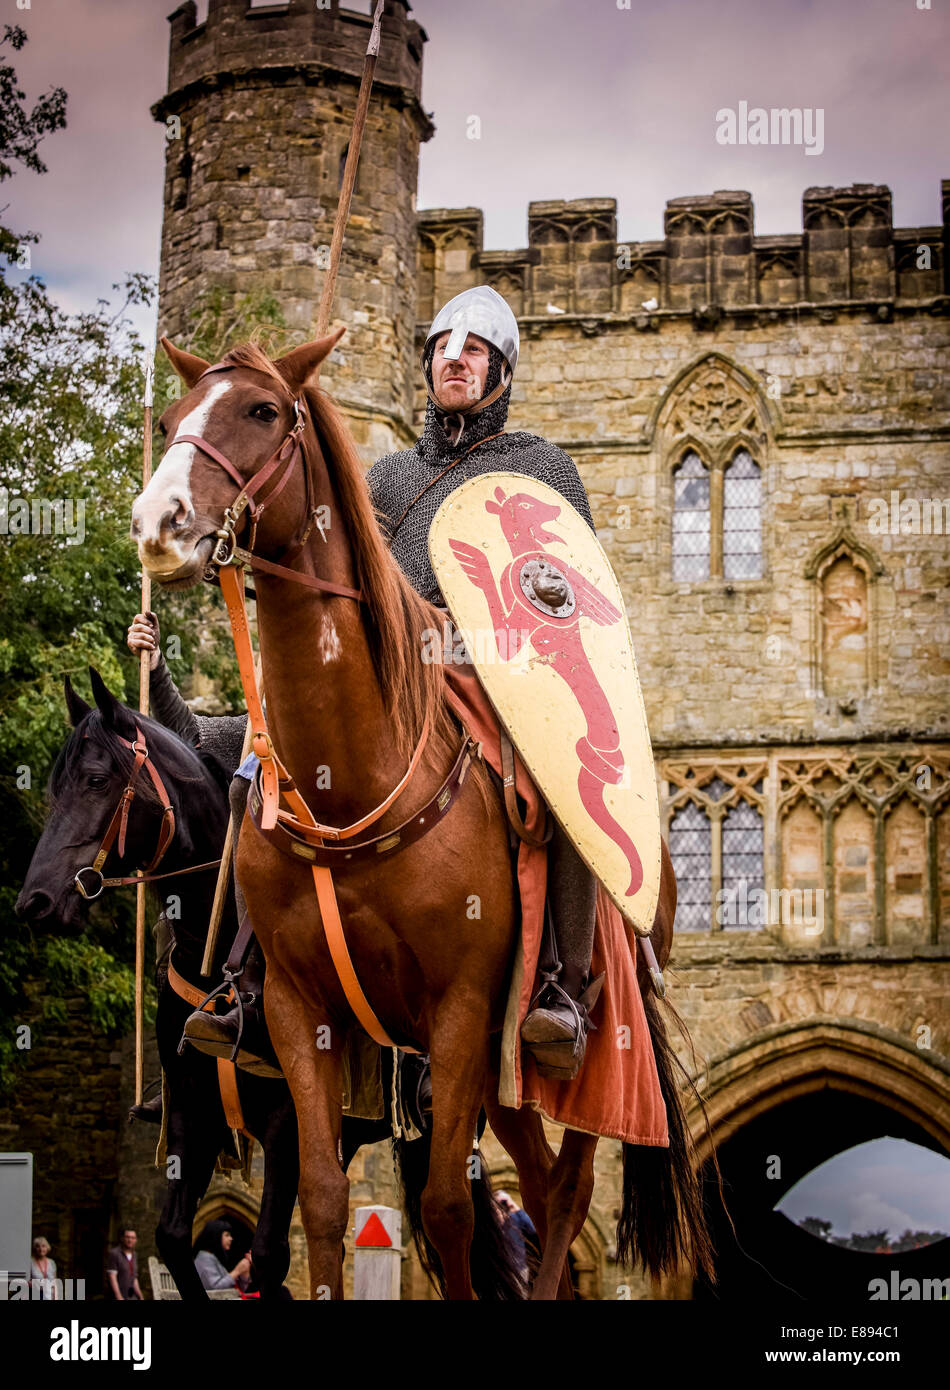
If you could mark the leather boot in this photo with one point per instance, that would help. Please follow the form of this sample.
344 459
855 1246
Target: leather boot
242 1028
555 1029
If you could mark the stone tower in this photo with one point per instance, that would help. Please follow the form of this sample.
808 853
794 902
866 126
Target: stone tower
258 113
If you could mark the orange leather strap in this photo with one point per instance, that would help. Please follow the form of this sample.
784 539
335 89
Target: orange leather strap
232 587
231 1101
185 990
336 940
227 1072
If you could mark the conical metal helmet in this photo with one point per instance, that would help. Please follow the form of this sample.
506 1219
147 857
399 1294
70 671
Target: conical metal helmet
480 310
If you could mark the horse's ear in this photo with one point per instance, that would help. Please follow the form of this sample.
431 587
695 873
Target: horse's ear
77 707
301 367
112 710
186 364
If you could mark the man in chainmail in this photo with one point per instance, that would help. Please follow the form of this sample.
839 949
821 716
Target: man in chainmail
468 362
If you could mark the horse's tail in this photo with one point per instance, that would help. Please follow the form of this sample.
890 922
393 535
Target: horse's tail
662 1221
496 1275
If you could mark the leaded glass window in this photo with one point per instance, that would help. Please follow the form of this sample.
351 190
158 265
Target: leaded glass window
742 519
743 868
691 519
690 842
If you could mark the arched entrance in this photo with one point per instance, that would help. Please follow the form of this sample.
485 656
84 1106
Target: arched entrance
781 1105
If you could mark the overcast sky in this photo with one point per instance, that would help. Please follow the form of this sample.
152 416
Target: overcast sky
577 98
886 1184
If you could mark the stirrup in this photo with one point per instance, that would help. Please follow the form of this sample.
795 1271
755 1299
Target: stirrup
580 1007
230 976
549 1055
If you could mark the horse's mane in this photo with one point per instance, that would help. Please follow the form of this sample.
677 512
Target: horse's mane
396 615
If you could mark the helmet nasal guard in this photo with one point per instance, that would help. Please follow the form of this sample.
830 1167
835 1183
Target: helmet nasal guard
482 311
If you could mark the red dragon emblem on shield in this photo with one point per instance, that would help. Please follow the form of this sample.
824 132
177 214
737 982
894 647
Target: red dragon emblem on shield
557 641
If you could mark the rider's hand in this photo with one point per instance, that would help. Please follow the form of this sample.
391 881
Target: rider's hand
144 636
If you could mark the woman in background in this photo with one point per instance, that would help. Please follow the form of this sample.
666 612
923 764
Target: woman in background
42 1271
213 1245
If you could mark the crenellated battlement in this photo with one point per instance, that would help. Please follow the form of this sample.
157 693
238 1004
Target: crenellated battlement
299 36
709 262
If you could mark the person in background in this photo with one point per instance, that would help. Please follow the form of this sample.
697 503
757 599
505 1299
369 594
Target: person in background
520 1230
213 1245
42 1271
122 1268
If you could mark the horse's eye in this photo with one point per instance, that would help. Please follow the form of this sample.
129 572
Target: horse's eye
265 412
97 783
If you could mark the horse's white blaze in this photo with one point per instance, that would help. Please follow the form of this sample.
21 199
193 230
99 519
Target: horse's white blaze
328 643
172 479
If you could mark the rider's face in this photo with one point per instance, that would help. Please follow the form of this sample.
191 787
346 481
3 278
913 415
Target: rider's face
461 383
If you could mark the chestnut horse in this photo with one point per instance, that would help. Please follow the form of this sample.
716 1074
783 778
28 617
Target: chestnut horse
351 703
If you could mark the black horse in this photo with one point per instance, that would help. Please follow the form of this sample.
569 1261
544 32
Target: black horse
87 782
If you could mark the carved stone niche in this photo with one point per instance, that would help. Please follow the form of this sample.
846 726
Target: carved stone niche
844 620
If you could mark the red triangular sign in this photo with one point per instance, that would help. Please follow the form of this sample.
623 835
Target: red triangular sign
374 1232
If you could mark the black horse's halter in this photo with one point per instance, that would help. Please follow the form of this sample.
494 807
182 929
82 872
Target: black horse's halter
118 825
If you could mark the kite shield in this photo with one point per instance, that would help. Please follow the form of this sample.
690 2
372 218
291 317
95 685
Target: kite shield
542 616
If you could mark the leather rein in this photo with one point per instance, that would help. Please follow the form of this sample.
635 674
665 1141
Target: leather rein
118 826
296 831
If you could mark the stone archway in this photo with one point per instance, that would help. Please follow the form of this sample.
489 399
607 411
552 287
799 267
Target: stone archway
783 1103
792 1060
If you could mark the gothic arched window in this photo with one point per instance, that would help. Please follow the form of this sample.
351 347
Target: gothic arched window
691 519
690 842
742 518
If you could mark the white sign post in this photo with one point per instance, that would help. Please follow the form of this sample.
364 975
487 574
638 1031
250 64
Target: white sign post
377 1254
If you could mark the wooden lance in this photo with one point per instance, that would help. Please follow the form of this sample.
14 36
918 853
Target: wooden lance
144 671
349 173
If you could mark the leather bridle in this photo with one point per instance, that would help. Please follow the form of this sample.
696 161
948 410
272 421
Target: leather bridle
279 467
118 826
